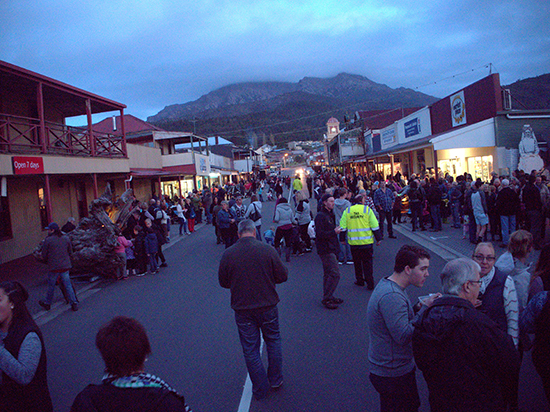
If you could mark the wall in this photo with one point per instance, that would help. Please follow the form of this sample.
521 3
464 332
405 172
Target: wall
143 157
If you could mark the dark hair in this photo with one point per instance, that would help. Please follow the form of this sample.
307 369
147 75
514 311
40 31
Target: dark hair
123 345
543 266
342 191
282 200
138 228
414 185
253 198
17 295
409 256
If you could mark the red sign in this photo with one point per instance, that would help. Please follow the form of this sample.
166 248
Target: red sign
23 165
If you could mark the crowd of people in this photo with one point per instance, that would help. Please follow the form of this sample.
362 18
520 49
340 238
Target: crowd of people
467 339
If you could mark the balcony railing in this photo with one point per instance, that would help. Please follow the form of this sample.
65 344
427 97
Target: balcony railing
23 135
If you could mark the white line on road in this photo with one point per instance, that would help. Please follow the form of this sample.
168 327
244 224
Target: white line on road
246 397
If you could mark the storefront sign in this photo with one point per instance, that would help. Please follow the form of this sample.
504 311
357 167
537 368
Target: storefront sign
458 109
412 127
202 164
388 137
23 165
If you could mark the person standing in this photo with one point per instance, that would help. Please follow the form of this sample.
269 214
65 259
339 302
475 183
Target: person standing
254 299
225 220
56 252
361 227
254 212
23 380
383 200
531 197
341 204
434 196
326 238
390 317
507 205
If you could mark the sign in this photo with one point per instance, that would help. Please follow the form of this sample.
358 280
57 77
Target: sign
202 164
412 127
23 165
458 109
388 136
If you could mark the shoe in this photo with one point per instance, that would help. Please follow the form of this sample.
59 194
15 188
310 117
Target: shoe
301 253
329 304
45 305
359 283
74 307
338 301
277 385
340 263
392 237
308 249
349 262
140 274
163 264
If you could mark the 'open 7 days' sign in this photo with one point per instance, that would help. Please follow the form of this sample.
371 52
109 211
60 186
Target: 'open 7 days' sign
23 165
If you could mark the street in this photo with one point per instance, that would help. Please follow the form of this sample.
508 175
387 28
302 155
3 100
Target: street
194 338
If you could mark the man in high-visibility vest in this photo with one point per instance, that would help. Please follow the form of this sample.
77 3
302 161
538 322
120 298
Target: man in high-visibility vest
362 228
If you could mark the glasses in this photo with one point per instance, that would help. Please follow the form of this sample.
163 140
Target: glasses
481 258
475 281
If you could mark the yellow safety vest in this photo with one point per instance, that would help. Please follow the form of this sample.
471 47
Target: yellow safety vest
360 221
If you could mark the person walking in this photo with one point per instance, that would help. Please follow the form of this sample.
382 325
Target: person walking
251 269
507 205
383 200
326 239
390 318
23 380
56 252
361 226
254 213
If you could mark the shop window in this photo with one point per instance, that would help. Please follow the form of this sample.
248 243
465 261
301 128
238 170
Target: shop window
480 167
42 206
5 219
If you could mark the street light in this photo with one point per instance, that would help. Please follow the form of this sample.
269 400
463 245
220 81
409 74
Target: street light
284 160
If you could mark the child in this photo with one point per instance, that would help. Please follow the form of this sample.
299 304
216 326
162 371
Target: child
269 236
120 250
131 260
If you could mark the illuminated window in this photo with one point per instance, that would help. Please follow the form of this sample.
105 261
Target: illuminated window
42 205
480 167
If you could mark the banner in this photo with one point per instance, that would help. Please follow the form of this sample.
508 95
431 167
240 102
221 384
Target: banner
23 165
458 109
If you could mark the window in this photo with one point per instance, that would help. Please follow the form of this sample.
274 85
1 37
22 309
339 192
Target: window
5 220
42 205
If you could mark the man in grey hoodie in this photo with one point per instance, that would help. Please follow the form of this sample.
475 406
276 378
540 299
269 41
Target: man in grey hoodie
284 217
341 204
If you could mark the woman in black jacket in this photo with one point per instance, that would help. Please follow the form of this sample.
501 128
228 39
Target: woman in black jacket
23 385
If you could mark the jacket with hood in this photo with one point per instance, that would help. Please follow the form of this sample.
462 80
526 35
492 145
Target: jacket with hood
467 361
283 215
339 206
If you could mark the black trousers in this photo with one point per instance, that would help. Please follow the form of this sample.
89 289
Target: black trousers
387 217
362 262
397 394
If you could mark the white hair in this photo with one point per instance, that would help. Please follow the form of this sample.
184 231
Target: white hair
505 182
456 273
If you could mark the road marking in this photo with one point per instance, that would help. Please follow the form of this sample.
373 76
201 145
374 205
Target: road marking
246 397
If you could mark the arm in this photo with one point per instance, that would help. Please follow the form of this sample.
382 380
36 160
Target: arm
511 309
280 271
531 312
23 368
223 273
394 310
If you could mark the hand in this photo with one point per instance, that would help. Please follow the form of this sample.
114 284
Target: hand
378 242
337 229
478 303
429 301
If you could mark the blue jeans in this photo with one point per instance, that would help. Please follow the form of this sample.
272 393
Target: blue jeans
435 211
345 251
52 279
455 208
152 260
508 225
250 324
259 233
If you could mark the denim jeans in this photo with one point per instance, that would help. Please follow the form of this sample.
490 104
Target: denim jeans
435 211
455 208
250 324
259 233
152 260
52 279
345 251
508 225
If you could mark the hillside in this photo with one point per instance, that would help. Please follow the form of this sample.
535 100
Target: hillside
532 93
279 112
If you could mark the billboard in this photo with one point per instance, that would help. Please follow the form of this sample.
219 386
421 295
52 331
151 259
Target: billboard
388 136
414 126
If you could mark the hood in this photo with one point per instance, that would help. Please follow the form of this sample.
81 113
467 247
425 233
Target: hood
284 206
341 204
437 323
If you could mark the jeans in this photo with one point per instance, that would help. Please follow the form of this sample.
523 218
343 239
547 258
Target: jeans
52 279
385 215
363 264
331 275
259 233
345 251
397 394
152 260
508 225
435 211
250 324
416 215
455 208
208 215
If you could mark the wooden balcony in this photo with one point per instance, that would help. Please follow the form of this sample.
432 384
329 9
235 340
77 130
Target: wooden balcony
25 135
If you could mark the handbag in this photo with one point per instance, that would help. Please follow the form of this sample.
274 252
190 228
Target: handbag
255 215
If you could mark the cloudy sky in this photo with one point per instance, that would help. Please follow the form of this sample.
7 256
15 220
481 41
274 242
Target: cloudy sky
149 54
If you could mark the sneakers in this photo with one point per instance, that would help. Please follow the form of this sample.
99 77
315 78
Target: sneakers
277 385
45 305
349 262
340 263
338 301
74 306
140 274
392 237
329 304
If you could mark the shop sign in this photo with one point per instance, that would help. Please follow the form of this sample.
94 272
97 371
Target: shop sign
202 164
388 136
412 127
458 109
23 165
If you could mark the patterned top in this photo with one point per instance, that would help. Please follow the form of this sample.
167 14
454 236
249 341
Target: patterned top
511 307
532 312
384 199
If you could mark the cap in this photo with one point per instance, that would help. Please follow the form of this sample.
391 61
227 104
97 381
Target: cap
326 197
53 226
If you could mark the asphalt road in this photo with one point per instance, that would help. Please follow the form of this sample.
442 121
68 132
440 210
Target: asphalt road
194 338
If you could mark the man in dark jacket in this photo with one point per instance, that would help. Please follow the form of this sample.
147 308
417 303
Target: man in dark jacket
56 252
328 247
434 196
507 205
467 361
533 208
254 299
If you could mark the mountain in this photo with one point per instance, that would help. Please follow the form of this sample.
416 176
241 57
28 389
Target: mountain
283 111
531 94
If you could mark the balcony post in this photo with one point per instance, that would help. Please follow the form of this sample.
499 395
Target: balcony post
48 198
123 133
40 107
94 179
91 138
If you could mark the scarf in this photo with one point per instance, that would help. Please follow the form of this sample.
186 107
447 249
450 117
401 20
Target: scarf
138 380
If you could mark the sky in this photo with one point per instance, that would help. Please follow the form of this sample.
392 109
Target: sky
151 54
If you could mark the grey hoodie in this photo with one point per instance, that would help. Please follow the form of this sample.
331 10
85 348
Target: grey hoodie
283 214
339 206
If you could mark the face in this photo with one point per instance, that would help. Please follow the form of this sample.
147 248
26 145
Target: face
485 257
329 203
382 185
6 310
239 201
419 274
471 289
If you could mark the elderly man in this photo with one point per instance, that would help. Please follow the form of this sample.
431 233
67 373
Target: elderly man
467 361
254 299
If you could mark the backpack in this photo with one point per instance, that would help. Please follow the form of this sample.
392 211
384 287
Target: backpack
255 215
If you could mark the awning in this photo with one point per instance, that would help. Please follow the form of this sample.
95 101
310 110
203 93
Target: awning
147 172
180 169
481 134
